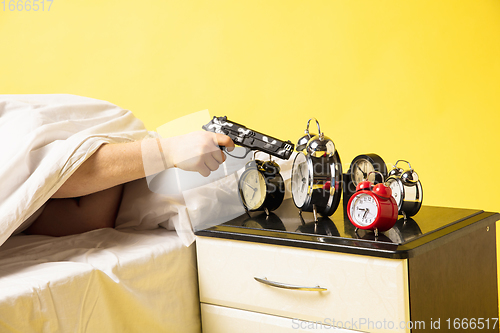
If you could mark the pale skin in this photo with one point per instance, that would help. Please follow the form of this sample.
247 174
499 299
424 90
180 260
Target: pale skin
90 198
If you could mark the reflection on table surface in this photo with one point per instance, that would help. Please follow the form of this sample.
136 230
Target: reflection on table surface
287 219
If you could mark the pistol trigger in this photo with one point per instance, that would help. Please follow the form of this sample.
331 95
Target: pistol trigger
247 151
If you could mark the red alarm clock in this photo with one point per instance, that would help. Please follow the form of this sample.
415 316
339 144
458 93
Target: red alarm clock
372 207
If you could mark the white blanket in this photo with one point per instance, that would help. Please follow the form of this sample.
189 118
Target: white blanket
43 140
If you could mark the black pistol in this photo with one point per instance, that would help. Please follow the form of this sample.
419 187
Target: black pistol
250 139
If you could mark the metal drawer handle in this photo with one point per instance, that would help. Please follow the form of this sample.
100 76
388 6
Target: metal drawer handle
288 286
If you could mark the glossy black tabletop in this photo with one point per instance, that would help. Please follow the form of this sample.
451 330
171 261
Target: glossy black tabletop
286 227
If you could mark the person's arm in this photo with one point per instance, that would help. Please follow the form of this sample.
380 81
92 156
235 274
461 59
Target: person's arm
114 164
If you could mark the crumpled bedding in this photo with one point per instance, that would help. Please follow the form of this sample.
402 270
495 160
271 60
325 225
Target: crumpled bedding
135 278
44 139
105 280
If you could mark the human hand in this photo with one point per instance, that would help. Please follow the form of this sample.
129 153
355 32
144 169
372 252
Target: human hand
196 151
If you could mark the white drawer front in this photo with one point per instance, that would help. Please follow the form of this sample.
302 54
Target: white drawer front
218 319
360 289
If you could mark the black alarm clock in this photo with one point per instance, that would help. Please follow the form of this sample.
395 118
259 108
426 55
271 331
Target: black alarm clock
261 186
369 167
406 189
316 182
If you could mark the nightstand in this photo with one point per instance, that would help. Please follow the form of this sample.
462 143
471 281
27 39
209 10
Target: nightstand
281 273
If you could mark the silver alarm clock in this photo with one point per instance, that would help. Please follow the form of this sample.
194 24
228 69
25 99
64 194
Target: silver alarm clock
406 189
316 183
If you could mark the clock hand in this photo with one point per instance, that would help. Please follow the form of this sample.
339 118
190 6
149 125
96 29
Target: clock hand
364 173
301 173
303 185
253 188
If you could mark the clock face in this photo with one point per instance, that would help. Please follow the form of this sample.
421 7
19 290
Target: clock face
397 190
252 189
360 170
300 180
364 209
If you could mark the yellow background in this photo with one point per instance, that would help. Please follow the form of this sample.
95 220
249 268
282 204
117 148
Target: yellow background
415 80
407 79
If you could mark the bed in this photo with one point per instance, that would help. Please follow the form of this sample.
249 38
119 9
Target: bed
105 280
139 277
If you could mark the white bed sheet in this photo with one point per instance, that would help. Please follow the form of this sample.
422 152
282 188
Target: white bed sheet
105 280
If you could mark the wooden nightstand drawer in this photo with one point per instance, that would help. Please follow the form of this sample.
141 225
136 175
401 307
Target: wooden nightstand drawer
360 289
219 319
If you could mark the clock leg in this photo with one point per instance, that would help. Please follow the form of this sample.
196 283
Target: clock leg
315 213
301 218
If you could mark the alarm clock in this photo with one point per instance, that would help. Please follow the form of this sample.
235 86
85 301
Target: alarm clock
261 186
406 189
316 184
359 169
372 207
302 142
